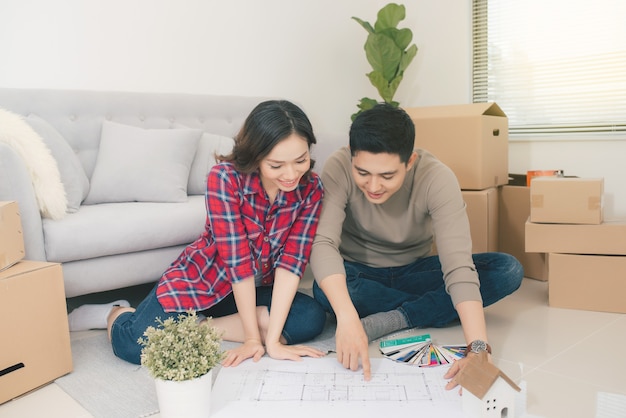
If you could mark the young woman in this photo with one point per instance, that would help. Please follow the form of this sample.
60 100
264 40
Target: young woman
263 205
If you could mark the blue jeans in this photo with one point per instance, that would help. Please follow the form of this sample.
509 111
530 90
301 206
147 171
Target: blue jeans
418 291
305 320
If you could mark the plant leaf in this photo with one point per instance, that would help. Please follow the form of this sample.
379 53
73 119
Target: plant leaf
407 57
383 55
381 84
365 104
389 16
387 90
393 87
366 25
401 37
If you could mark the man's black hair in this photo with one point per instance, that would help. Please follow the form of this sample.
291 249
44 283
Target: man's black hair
383 129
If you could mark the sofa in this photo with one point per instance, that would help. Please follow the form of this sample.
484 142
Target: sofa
127 193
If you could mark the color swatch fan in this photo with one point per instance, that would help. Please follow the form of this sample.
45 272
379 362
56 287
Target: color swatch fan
421 351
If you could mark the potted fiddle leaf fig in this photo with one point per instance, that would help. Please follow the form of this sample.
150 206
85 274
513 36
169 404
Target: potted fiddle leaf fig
180 353
388 51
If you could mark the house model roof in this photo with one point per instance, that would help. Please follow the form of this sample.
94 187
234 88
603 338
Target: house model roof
479 375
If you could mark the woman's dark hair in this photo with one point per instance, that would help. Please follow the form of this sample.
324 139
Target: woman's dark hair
383 129
269 123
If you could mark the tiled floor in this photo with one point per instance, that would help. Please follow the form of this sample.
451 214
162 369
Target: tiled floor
570 360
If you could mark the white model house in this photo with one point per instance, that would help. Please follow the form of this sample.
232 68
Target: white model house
487 391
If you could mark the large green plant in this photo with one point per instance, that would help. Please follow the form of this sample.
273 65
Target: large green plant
388 52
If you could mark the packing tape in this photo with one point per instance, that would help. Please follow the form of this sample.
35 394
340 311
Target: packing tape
595 202
536 201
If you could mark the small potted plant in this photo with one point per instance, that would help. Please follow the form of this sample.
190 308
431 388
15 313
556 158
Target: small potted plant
180 353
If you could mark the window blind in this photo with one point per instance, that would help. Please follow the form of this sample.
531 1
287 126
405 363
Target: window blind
556 67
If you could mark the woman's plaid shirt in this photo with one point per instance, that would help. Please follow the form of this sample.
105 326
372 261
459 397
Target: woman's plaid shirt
245 237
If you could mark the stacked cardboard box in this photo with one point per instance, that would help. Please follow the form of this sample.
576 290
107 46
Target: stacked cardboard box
566 200
514 210
586 255
34 328
473 141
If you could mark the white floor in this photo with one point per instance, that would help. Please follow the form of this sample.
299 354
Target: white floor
571 360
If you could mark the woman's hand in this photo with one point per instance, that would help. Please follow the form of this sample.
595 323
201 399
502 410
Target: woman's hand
280 351
249 349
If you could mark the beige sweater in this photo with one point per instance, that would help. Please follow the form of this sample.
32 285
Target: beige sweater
428 206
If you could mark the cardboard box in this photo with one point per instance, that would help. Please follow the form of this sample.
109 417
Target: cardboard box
11 237
514 210
471 139
482 211
566 200
608 238
588 282
35 333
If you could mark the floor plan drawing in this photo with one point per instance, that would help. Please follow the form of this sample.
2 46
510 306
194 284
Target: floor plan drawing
330 387
315 386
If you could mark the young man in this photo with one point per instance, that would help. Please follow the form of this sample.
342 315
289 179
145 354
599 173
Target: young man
384 206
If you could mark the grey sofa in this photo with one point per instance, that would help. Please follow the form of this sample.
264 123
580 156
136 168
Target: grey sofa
106 240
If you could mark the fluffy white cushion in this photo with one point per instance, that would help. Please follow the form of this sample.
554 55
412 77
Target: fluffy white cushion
143 165
73 175
41 165
209 145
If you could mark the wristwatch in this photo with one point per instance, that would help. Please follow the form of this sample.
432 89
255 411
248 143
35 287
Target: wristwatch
477 346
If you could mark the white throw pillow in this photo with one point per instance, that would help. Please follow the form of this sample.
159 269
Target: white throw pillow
142 165
209 145
72 172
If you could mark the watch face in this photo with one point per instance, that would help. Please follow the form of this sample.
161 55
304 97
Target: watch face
478 346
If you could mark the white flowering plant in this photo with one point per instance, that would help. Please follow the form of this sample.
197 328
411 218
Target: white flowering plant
181 348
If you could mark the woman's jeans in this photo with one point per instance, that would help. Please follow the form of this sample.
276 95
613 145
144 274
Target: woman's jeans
418 291
305 320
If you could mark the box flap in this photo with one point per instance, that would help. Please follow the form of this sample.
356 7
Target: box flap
463 110
24 266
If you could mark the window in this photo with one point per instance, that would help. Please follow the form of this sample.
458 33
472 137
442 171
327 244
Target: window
556 67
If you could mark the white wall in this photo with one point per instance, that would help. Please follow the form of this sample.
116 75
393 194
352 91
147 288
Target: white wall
309 51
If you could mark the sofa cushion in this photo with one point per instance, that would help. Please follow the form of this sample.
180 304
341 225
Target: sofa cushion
116 271
118 228
73 175
142 165
209 145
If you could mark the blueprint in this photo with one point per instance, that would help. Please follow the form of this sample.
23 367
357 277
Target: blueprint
323 386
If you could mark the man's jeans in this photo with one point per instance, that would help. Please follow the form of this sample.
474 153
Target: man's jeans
418 290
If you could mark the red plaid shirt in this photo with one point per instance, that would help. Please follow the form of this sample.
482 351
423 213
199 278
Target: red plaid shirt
244 237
